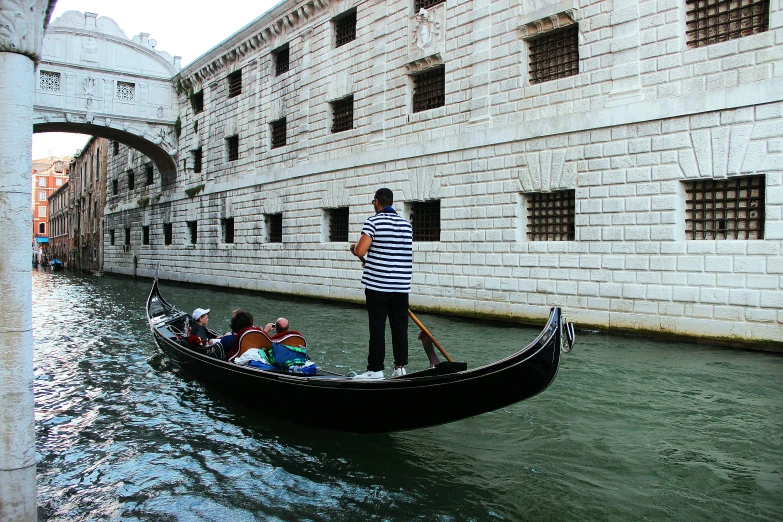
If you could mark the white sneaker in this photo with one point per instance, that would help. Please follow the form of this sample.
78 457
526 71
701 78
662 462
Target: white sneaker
368 375
399 372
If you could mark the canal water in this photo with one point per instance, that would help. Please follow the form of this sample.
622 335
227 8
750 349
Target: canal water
631 429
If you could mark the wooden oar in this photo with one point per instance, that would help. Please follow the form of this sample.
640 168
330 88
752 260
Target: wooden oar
428 334
423 328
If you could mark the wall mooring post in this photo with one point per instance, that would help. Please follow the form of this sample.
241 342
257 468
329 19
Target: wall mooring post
21 33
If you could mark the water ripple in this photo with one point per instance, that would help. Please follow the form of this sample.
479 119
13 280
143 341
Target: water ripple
631 430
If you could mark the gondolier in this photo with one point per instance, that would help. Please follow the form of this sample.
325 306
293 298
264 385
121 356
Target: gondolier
387 240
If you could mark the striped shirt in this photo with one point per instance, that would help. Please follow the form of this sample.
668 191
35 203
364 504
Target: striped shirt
389 266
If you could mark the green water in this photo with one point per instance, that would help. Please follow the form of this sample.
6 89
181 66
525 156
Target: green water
631 429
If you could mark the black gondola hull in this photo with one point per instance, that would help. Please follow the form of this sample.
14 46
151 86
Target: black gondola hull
339 403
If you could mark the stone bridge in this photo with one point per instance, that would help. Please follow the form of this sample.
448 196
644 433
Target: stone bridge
93 79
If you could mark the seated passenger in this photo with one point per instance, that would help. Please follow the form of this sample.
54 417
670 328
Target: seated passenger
198 330
240 320
281 329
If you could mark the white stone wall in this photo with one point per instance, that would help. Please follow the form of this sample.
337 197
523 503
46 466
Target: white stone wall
644 114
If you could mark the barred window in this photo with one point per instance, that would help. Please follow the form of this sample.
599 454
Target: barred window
282 57
232 148
550 216
227 224
111 237
713 21
131 180
425 4
127 236
193 228
725 209
197 156
345 28
338 223
49 81
115 187
554 55
198 102
274 227
150 173
425 220
429 89
278 133
126 91
342 114
167 233
234 83
145 235
116 146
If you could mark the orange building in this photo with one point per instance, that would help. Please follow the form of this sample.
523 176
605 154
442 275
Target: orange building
49 174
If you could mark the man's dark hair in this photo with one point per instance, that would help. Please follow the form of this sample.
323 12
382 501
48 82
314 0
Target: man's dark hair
385 197
241 319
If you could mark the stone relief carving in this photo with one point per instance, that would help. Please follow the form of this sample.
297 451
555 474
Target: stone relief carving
19 26
426 30
159 111
549 23
546 171
90 46
88 84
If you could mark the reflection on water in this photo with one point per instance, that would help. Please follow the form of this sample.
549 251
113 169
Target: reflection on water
631 429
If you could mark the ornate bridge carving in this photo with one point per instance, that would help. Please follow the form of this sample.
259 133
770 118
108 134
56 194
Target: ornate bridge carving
93 79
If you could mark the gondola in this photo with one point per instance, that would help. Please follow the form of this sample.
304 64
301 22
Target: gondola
326 400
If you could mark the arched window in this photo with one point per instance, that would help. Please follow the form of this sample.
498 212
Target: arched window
42 228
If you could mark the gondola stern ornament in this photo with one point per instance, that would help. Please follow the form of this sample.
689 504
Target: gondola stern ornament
568 335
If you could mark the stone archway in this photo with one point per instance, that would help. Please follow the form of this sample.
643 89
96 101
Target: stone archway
93 79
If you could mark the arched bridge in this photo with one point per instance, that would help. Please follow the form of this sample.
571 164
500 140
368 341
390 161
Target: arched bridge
93 79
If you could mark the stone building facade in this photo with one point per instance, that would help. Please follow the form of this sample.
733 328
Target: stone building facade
88 180
622 159
49 174
61 223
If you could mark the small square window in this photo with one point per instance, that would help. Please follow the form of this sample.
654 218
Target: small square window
198 102
232 148
554 55
115 189
131 180
227 225
278 133
713 21
126 91
49 81
274 226
429 89
234 84
282 58
197 156
418 5
150 173
193 228
116 147
342 115
111 237
425 220
145 235
167 233
550 215
345 28
127 236
725 209
338 224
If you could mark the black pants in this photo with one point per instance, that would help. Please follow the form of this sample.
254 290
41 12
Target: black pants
393 305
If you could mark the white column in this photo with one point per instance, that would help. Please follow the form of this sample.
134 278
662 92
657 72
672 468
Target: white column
17 435
21 33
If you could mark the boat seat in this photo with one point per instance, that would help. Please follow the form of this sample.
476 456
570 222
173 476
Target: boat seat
292 340
250 339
